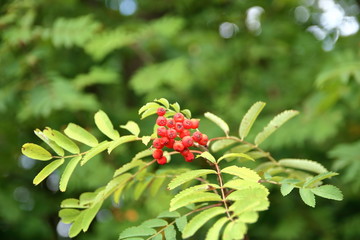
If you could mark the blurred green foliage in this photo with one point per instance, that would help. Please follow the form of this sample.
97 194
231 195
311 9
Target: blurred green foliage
60 61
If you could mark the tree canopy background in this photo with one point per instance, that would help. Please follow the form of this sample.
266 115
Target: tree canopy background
61 61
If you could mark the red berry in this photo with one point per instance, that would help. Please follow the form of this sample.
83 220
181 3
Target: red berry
178 146
161 121
187 141
185 133
171 133
170 144
194 123
185 151
161 111
178 117
158 153
187 123
164 141
162 131
170 123
157 143
189 157
204 140
179 127
197 136
162 160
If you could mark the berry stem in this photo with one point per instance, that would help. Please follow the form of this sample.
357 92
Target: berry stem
223 196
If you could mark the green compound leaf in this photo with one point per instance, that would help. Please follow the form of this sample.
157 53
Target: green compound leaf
145 140
235 230
187 113
71 203
199 220
170 233
214 231
132 127
188 176
152 223
329 192
218 121
94 151
121 140
221 144
140 187
61 140
104 124
49 142
149 112
148 106
68 215
138 231
316 179
242 172
184 194
176 107
168 214
286 188
89 215
156 184
240 184
235 155
274 124
70 167
195 197
249 119
307 196
163 101
303 164
36 152
207 156
87 198
76 227
46 171
181 223
128 166
80 134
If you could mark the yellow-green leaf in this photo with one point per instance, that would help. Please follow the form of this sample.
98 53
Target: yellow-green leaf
237 155
49 142
94 151
274 124
249 119
188 176
207 156
242 172
121 140
80 134
47 170
132 127
303 164
104 124
68 215
307 196
36 152
195 197
62 140
329 192
214 231
218 121
199 220
89 215
70 167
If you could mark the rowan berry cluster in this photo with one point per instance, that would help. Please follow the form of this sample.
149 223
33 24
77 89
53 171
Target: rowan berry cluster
175 133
